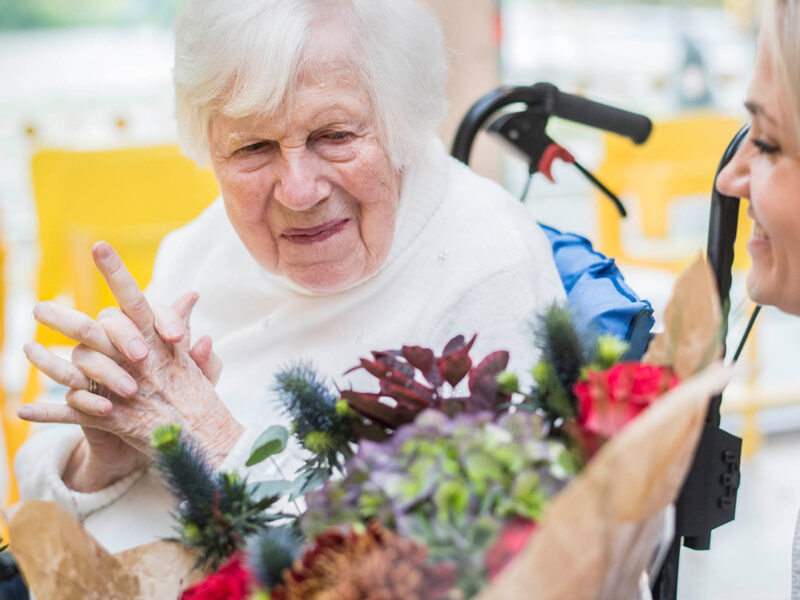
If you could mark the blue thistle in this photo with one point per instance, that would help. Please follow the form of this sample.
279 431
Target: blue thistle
271 551
189 477
563 346
322 423
216 511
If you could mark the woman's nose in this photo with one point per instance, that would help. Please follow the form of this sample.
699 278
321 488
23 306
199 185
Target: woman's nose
734 179
301 183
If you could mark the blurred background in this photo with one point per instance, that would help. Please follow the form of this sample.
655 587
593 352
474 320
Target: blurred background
95 75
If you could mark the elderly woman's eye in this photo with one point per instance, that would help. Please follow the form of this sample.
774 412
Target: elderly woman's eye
338 135
252 147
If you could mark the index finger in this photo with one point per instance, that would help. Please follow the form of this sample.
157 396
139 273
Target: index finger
124 287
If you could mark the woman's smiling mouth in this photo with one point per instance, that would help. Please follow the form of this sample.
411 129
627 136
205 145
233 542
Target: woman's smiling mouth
759 232
312 235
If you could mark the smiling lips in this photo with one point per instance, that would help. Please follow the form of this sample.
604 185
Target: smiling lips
312 235
759 232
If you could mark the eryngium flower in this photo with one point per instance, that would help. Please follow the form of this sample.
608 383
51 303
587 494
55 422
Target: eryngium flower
322 423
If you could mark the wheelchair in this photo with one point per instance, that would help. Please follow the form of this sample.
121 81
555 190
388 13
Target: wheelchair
598 294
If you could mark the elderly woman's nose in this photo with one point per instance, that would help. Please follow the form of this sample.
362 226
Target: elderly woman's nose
734 179
301 183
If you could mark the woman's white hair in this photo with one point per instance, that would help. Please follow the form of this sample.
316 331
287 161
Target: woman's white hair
780 28
243 57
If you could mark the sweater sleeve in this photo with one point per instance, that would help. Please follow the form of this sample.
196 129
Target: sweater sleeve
40 463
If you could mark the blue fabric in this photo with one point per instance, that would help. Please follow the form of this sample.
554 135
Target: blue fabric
597 292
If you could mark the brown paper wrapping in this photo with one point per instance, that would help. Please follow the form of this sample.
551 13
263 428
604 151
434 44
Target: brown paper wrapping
692 337
60 560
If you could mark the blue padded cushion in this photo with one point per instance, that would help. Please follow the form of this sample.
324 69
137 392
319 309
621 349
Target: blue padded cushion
597 292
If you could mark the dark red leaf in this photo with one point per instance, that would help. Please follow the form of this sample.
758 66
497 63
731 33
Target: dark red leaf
454 366
369 406
434 377
418 357
407 397
455 344
471 342
390 360
374 368
491 366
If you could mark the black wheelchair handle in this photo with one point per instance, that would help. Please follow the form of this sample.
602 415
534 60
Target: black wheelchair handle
723 224
594 114
547 100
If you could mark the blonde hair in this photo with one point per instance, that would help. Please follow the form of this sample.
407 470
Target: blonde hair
780 28
243 57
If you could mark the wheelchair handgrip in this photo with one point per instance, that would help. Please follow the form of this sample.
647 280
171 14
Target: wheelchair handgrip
574 108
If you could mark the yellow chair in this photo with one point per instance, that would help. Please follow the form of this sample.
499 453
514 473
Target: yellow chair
128 197
7 411
677 162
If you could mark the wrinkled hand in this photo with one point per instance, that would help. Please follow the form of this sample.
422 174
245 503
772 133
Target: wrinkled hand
148 373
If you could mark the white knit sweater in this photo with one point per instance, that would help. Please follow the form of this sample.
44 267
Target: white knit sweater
466 258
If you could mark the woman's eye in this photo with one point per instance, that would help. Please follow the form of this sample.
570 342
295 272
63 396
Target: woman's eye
764 147
254 147
338 135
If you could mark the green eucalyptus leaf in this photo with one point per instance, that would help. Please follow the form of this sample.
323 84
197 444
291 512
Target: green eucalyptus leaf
308 481
269 489
269 443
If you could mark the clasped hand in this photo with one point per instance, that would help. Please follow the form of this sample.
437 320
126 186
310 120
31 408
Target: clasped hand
147 372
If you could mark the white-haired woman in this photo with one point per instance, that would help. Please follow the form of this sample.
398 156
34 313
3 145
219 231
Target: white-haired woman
766 171
343 227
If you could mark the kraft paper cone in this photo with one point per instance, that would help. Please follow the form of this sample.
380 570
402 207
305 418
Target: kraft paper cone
692 337
596 523
60 560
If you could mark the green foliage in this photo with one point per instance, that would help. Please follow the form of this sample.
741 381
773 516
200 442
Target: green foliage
269 443
508 383
216 511
610 350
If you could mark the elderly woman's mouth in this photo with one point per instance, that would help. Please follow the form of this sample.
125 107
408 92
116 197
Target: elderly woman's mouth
311 235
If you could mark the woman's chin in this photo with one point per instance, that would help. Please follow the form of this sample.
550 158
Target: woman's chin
757 291
324 279
761 291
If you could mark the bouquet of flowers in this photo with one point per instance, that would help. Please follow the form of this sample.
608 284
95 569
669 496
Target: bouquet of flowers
448 480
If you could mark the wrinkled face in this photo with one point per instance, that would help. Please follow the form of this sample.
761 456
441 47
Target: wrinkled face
766 171
310 190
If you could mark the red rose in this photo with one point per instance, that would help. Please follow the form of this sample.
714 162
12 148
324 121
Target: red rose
231 582
511 540
609 400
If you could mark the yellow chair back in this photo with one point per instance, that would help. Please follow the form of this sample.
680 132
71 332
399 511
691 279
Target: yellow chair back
129 197
677 162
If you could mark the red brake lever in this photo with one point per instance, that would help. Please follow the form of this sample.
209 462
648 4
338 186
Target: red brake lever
552 152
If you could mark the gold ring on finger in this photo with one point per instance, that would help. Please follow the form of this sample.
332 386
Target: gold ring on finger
93 388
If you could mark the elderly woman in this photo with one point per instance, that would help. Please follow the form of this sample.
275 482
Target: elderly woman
766 171
343 227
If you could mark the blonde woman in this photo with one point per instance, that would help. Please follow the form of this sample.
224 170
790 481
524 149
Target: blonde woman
766 171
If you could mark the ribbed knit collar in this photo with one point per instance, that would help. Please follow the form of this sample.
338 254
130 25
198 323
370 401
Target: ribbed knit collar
423 188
